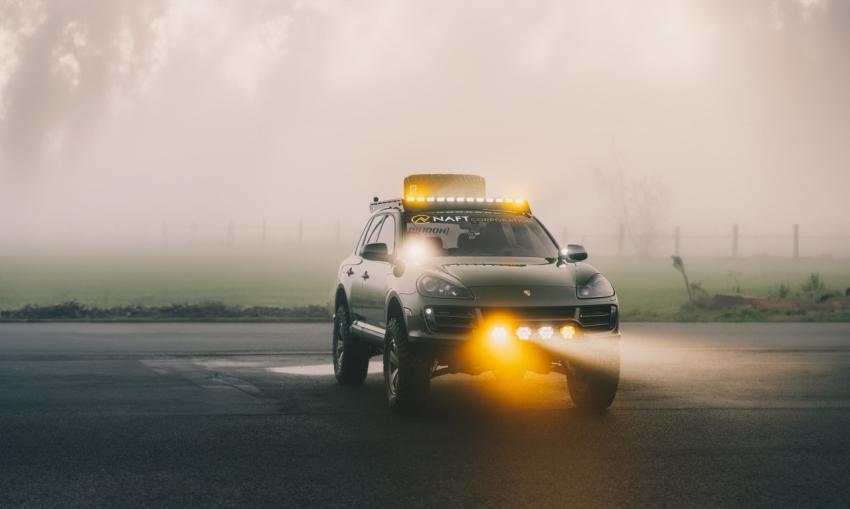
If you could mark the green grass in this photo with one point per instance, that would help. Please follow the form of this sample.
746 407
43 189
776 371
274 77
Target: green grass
653 289
287 277
202 312
280 277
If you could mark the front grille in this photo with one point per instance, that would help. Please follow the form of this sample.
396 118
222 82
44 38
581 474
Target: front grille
533 314
461 319
454 319
598 318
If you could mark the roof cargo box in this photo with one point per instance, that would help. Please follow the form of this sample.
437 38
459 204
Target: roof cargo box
444 184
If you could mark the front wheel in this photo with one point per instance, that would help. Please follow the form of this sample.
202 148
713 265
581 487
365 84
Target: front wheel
593 382
350 356
407 373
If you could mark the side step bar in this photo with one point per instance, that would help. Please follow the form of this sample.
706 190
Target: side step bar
368 332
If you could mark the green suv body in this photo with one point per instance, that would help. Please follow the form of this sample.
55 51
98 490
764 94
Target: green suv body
468 286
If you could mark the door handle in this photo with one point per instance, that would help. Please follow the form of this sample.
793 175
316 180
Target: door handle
365 275
349 272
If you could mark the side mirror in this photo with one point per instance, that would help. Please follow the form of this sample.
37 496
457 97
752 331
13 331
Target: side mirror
398 268
375 252
573 253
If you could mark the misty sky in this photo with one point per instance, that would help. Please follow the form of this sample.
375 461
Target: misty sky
124 114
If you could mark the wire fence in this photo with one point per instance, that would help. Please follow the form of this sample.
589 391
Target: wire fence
732 241
736 241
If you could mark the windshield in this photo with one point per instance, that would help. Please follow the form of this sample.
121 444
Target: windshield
479 233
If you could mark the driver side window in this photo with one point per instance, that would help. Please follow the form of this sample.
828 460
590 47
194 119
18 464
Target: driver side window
387 235
372 234
363 236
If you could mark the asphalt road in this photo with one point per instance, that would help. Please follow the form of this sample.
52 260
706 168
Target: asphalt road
750 415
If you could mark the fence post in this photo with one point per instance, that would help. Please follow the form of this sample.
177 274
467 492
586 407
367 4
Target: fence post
734 241
796 241
676 237
621 239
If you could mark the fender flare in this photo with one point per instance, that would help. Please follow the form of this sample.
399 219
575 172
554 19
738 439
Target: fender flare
341 289
391 296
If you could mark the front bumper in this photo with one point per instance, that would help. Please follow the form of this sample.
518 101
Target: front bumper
421 337
594 320
476 353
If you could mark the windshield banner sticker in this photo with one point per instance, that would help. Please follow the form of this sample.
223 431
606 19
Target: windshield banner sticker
428 230
456 219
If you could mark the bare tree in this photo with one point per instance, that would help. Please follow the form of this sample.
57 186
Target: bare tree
639 202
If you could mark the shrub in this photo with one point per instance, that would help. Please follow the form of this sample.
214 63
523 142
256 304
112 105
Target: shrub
207 311
813 288
699 297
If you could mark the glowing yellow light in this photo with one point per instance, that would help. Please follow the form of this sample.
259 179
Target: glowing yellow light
546 332
416 249
463 199
568 331
524 332
499 335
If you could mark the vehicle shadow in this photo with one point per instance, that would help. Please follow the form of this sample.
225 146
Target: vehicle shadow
453 399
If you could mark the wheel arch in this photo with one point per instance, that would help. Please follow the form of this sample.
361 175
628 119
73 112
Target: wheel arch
340 297
394 307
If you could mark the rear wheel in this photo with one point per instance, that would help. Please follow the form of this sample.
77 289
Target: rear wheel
407 373
350 356
593 382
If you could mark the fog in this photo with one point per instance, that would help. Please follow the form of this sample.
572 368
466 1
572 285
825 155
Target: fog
129 119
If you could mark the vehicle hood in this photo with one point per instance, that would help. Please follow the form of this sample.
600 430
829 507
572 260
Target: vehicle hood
499 271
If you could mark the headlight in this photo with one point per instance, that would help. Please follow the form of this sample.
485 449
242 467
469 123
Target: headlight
596 286
436 287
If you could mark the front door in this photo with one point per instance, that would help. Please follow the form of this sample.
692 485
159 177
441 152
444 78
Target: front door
357 272
377 274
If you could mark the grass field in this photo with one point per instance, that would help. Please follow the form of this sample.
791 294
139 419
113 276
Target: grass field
285 277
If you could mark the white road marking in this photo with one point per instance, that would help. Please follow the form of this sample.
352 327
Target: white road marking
318 369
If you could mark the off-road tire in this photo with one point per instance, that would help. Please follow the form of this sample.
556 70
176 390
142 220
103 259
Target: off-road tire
350 355
407 373
593 385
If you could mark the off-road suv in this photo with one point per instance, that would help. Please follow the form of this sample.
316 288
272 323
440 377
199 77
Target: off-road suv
446 280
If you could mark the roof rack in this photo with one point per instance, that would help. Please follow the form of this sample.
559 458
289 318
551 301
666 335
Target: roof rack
385 204
451 203
466 202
